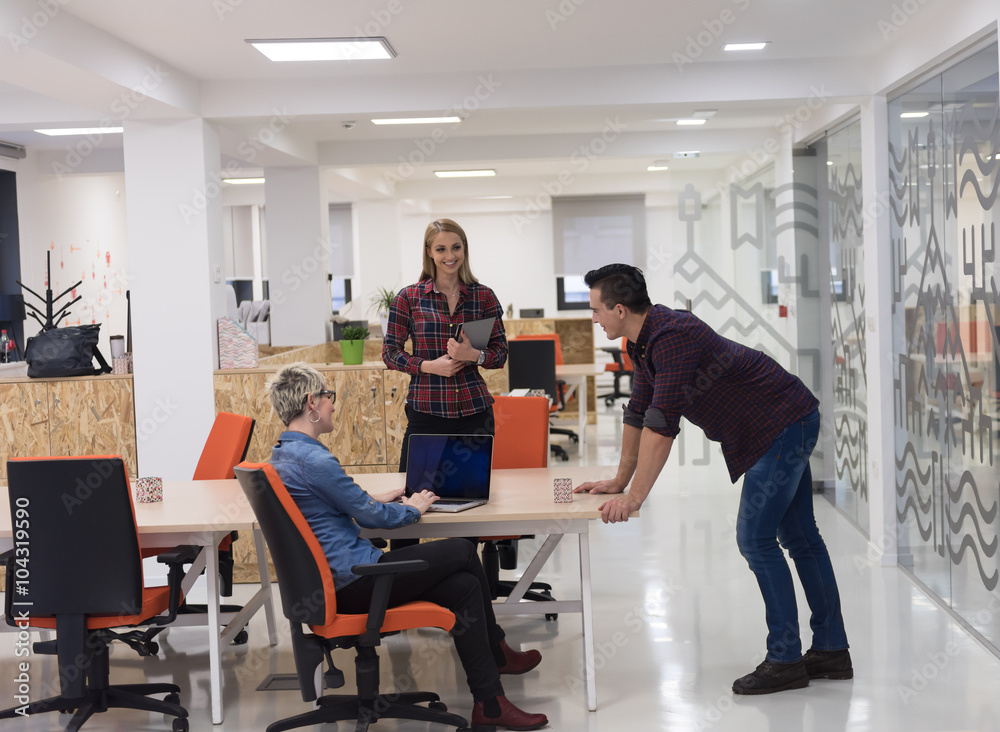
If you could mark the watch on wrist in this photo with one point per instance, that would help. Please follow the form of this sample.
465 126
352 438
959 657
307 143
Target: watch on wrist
482 358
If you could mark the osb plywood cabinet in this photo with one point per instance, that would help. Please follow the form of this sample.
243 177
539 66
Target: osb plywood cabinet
86 415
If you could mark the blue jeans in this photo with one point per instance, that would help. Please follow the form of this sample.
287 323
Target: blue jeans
777 505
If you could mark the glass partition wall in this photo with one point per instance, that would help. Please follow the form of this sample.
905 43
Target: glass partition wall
849 410
944 139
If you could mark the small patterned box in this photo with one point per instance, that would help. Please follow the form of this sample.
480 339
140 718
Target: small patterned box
149 490
122 365
562 490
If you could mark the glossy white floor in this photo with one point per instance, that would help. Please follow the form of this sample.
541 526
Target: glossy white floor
677 617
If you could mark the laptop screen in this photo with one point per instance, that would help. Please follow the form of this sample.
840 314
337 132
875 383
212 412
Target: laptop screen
452 466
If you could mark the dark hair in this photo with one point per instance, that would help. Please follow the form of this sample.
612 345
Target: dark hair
620 283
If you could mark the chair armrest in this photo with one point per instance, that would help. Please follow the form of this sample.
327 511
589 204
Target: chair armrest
175 558
384 574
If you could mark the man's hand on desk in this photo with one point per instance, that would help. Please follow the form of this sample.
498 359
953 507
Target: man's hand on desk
618 508
599 486
420 501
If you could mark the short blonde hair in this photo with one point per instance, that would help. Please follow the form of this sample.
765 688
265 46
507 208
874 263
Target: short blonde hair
434 228
290 386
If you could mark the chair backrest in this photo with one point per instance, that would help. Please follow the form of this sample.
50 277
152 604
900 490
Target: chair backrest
225 447
626 361
554 337
74 516
304 576
531 364
522 432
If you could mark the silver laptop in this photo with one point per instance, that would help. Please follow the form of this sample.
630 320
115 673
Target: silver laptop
455 467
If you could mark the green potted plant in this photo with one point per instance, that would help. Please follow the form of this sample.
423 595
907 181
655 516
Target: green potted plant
352 344
381 302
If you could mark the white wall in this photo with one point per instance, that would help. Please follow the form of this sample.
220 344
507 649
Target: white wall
80 220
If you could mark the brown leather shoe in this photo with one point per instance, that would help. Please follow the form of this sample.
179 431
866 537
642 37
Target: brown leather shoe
518 662
510 717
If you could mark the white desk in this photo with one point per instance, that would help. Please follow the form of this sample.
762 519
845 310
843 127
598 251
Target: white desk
521 503
199 512
576 374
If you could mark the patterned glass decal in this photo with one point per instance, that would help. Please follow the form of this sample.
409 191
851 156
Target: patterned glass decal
944 142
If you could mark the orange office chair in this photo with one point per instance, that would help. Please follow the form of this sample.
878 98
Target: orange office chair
76 568
559 397
226 446
520 441
621 367
308 597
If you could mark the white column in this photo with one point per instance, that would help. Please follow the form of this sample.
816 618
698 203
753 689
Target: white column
380 258
297 230
879 330
176 260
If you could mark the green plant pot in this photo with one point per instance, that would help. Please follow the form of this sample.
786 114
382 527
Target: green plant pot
352 351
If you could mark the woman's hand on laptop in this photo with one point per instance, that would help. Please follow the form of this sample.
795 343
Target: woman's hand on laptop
388 495
420 501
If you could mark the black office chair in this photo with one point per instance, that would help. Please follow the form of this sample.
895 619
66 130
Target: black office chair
620 368
75 567
308 597
531 364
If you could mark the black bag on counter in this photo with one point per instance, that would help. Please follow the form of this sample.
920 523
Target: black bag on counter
65 352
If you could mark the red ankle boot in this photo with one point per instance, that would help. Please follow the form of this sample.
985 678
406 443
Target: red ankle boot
518 662
510 717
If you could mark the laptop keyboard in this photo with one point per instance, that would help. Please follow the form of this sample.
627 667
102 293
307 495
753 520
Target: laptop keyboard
452 501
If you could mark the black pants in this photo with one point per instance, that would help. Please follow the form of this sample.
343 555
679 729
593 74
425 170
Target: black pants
419 423
454 579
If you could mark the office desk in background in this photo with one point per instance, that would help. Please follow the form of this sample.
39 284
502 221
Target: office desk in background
576 374
521 503
199 512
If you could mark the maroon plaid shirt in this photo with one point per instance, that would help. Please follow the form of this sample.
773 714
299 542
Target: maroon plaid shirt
739 396
420 313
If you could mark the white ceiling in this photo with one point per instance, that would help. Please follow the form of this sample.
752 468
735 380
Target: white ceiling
536 81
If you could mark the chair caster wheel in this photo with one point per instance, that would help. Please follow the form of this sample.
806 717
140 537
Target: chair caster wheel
241 638
609 402
438 706
149 649
181 725
172 698
551 616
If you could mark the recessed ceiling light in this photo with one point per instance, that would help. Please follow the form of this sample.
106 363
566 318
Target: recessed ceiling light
691 121
829 162
913 115
324 49
243 181
653 168
464 173
687 154
82 131
745 46
417 121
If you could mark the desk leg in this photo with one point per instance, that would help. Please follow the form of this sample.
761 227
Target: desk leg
265 586
214 648
588 622
582 403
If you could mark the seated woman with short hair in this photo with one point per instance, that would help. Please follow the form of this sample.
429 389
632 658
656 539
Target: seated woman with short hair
335 507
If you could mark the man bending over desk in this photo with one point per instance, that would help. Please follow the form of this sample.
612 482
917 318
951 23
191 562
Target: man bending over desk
767 422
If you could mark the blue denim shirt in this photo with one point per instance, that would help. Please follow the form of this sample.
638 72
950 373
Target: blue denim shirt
333 504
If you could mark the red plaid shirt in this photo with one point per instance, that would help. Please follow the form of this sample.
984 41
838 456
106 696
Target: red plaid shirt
739 396
420 313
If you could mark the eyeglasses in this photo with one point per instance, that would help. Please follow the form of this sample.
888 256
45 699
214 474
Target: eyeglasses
328 393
